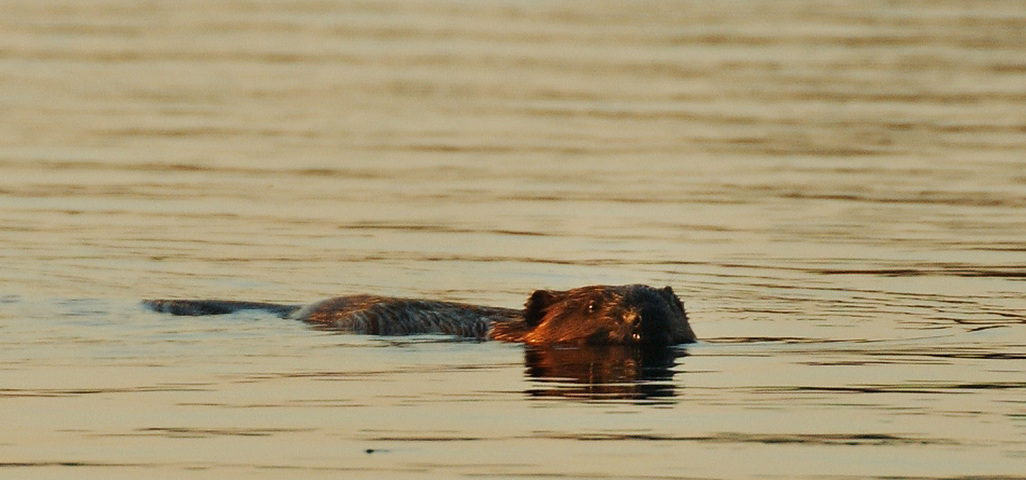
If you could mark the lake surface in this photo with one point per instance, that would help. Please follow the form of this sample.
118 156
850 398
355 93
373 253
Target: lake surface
836 190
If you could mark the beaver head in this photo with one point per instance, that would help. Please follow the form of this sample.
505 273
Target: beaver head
628 314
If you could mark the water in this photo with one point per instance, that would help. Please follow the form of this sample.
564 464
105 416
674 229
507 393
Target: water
835 190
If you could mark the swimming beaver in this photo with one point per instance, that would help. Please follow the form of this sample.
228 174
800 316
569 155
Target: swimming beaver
593 315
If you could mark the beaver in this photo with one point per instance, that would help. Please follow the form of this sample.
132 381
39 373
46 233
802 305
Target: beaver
591 315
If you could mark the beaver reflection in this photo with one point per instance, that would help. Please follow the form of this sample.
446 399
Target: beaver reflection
602 372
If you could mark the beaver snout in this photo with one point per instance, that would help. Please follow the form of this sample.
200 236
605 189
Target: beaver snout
634 324
654 328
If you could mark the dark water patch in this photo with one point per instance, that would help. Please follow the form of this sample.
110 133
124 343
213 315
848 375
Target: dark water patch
985 327
605 197
473 258
967 353
441 437
360 375
233 171
841 439
772 340
848 439
782 146
71 463
123 55
194 466
441 229
926 350
955 477
937 98
198 132
185 432
1016 317
76 392
306 403
969 199
999 247
913 387
493 149
952 269
900 357
83 307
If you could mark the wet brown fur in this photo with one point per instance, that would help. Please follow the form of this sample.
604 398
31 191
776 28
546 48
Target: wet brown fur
598 314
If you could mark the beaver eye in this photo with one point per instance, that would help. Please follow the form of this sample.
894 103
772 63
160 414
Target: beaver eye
593 306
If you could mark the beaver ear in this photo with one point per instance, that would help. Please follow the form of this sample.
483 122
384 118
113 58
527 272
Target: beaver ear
670 296
538 305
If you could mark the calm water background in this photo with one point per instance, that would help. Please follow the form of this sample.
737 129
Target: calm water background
836 189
